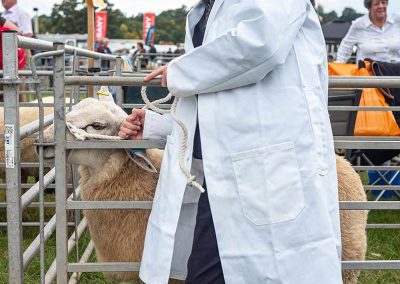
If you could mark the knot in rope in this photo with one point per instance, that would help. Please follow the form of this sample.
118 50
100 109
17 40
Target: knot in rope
191 179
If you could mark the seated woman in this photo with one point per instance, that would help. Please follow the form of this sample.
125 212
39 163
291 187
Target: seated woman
376 35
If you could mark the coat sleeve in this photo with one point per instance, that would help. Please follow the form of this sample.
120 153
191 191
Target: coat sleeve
263 36
157 126
346 46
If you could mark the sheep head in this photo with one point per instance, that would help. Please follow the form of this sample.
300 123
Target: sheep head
94 116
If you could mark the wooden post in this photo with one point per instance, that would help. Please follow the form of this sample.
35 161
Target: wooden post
90 41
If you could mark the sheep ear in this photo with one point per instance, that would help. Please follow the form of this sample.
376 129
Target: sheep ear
104 94
140 158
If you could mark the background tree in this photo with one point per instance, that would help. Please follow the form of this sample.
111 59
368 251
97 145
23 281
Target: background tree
70 17
349 15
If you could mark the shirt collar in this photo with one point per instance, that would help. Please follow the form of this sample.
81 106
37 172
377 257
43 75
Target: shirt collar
367 20
12 9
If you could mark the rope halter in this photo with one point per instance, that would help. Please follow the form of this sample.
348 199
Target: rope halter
191 179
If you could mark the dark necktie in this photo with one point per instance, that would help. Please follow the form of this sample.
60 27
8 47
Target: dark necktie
198 36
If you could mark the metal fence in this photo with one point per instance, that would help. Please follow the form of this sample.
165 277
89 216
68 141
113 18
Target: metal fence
19 259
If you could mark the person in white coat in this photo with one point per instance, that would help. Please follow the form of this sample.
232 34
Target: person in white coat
257 87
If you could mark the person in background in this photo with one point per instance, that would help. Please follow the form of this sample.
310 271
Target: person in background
138 55
103 48
18 16
15 14
152 52
7 24
179 50
376 35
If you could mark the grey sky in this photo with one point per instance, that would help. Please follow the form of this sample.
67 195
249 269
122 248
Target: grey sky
133 7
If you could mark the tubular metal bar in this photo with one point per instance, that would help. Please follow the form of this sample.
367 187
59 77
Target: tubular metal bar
46 73
32 105
33 192
371 265
383 226
52 272
61 167
104 267
111 81
90 205
33 204
378 143
344 205
376 168
118 72
357 108
371 205
29 185
37 44
13 172
162 106
125 144
30 165
364 82
84 259
33 224
33 127
75 92
43 235
34 247
382 187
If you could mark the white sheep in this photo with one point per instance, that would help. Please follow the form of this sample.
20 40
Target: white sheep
109 174
27 148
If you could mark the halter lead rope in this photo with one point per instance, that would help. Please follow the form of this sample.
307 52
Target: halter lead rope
191 179
82 135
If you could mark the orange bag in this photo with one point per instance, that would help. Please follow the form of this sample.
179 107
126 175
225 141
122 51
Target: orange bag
368 123
374 123
342 69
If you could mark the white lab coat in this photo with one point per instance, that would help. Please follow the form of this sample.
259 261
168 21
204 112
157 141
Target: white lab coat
267 145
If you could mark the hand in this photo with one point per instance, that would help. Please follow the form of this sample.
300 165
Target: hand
132 127
160 71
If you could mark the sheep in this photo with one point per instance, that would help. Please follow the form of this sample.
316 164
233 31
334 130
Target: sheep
27 148
109 174
353 223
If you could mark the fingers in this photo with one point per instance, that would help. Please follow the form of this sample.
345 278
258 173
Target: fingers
130 127
133 119
154 74
124 132
139 112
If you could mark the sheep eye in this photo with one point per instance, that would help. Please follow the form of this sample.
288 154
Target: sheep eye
97 126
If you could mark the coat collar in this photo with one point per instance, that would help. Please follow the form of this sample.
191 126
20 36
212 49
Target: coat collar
194 17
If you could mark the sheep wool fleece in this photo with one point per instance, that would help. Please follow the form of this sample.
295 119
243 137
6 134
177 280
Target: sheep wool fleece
268 156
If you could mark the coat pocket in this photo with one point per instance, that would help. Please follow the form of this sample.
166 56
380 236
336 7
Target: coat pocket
269 184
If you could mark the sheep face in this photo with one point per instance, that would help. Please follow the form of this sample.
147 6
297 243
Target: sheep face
94 117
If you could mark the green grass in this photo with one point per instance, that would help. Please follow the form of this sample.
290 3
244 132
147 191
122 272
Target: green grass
383 244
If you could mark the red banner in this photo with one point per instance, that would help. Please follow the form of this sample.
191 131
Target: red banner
101 25
149 21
